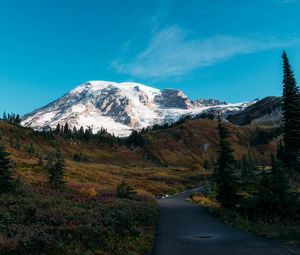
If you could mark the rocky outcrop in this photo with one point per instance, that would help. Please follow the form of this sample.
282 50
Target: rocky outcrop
173 98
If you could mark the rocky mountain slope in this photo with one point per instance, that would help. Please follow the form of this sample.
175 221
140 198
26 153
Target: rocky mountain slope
266 112
120 107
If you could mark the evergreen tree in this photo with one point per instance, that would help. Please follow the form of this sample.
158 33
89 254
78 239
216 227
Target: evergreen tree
58 129
56 169
280 150
275 198
18 119
223 175
291 115
4 116
88 134
17 144
7 182
125 190
80 157
136 139
81 132
206 165
31 149
66 129
248 168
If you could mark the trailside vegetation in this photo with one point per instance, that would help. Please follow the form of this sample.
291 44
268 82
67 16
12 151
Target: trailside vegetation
257 198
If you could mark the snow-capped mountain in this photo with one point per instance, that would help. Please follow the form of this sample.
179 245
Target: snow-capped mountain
119 107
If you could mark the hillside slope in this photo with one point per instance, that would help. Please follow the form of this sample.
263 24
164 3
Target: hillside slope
163 164
105 167
197 140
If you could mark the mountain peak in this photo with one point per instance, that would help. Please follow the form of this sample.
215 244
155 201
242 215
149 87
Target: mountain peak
117 107
99 84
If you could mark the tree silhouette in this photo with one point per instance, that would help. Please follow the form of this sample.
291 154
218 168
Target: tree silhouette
291 115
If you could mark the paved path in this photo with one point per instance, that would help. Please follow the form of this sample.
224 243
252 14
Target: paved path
185 228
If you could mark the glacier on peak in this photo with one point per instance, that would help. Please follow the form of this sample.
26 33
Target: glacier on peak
118 107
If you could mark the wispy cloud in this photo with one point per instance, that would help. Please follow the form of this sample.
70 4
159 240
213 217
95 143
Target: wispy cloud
287 1
170 52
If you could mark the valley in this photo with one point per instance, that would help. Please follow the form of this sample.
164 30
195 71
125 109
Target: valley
123 175
170 160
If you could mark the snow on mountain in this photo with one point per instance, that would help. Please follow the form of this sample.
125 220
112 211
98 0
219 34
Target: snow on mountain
209 102
118 107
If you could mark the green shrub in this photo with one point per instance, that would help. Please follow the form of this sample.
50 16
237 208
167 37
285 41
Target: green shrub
80 157
125 190
61 222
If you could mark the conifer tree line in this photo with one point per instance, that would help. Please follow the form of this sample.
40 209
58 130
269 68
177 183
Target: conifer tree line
12 118
135 139
263 194
81 134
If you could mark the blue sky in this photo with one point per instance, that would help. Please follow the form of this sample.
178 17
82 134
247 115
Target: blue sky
223 49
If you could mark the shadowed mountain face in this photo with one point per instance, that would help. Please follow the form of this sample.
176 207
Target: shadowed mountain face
120 107
173 98
265 112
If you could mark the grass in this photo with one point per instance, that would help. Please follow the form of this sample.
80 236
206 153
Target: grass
153 179
206 201
288 232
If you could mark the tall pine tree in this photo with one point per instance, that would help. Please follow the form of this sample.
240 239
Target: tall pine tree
66 129
7 182
291 115
58 129
248 168
223 176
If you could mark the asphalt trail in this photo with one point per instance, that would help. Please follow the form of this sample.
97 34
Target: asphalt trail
184 228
